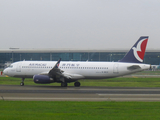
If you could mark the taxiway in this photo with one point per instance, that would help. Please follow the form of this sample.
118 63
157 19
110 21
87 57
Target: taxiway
56 93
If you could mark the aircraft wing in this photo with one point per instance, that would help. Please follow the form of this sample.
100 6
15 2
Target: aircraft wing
43 73
55 71
72 76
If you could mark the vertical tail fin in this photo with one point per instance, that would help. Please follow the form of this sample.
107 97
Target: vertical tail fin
136 53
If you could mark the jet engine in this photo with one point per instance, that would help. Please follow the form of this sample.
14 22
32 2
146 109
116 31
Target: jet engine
42 79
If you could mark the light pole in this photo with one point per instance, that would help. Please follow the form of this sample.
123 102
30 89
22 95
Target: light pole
13 52
110 56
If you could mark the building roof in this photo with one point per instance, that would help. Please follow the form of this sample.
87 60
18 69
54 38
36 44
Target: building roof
66 50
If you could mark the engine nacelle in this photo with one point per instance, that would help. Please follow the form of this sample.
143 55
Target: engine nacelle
42 79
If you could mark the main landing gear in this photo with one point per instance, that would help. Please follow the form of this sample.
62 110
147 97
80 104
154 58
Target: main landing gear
77 84
65 84
22 83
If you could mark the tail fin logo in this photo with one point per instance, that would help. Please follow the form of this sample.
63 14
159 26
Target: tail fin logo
57 65
139 50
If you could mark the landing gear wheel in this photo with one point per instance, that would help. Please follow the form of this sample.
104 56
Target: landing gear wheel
64 84
77 84
22 84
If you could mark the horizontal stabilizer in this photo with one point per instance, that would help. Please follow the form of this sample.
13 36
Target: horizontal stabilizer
134 67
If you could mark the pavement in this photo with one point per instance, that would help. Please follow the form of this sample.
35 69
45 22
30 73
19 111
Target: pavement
56 93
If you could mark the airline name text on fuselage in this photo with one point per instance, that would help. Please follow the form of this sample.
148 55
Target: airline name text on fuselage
37 64
64 64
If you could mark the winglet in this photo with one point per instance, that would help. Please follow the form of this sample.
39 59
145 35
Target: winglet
136 53
55 69
57 64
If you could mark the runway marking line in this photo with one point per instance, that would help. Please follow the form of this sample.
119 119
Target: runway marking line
129 94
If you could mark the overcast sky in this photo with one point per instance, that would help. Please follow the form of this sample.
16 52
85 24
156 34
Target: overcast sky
81 24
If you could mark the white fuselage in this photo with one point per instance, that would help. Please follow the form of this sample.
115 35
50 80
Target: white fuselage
81 70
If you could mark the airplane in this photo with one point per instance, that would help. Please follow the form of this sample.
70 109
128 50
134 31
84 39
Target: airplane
155 67
64 72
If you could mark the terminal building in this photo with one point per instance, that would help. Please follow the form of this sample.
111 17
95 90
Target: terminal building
12 55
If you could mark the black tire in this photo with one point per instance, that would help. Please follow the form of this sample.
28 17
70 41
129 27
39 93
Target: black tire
64 84
77 84
22 84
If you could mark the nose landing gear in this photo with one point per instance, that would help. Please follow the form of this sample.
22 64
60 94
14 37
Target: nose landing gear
22 83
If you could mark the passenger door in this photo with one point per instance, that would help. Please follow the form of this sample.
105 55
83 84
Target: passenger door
115 68
18 69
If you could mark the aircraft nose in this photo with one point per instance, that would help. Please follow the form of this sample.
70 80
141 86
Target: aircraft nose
5 71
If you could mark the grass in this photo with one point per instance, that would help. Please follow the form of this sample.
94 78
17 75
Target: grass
114 82
32 110
148 73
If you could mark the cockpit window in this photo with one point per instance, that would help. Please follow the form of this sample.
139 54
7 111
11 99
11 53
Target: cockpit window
11 66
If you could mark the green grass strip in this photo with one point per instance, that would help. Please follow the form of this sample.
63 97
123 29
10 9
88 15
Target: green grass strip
114 82
47 110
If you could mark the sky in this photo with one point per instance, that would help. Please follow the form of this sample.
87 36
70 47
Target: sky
78 24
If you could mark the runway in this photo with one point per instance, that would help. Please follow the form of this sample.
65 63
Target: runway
56 93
